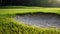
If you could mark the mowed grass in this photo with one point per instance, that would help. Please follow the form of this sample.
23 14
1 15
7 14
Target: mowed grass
10 26
14 10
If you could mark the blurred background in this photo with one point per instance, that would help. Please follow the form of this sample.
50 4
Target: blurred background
43 3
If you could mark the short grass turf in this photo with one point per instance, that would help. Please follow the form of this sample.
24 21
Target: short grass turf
10 26
24 9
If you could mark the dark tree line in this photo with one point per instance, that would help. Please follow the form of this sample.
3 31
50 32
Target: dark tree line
27 2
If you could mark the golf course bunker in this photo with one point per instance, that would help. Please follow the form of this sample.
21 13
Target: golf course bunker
40 19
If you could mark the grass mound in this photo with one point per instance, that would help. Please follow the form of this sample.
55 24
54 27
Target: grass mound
9 26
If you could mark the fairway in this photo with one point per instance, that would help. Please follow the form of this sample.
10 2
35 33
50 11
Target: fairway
31 10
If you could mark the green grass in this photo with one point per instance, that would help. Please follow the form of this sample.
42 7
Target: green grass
9 10
10 26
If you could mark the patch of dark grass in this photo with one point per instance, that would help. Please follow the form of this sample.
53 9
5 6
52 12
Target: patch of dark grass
34 13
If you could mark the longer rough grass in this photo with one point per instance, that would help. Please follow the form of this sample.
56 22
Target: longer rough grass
9 26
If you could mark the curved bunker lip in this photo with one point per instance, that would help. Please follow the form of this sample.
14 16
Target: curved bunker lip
39 19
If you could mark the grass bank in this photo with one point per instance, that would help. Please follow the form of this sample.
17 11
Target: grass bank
9 26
